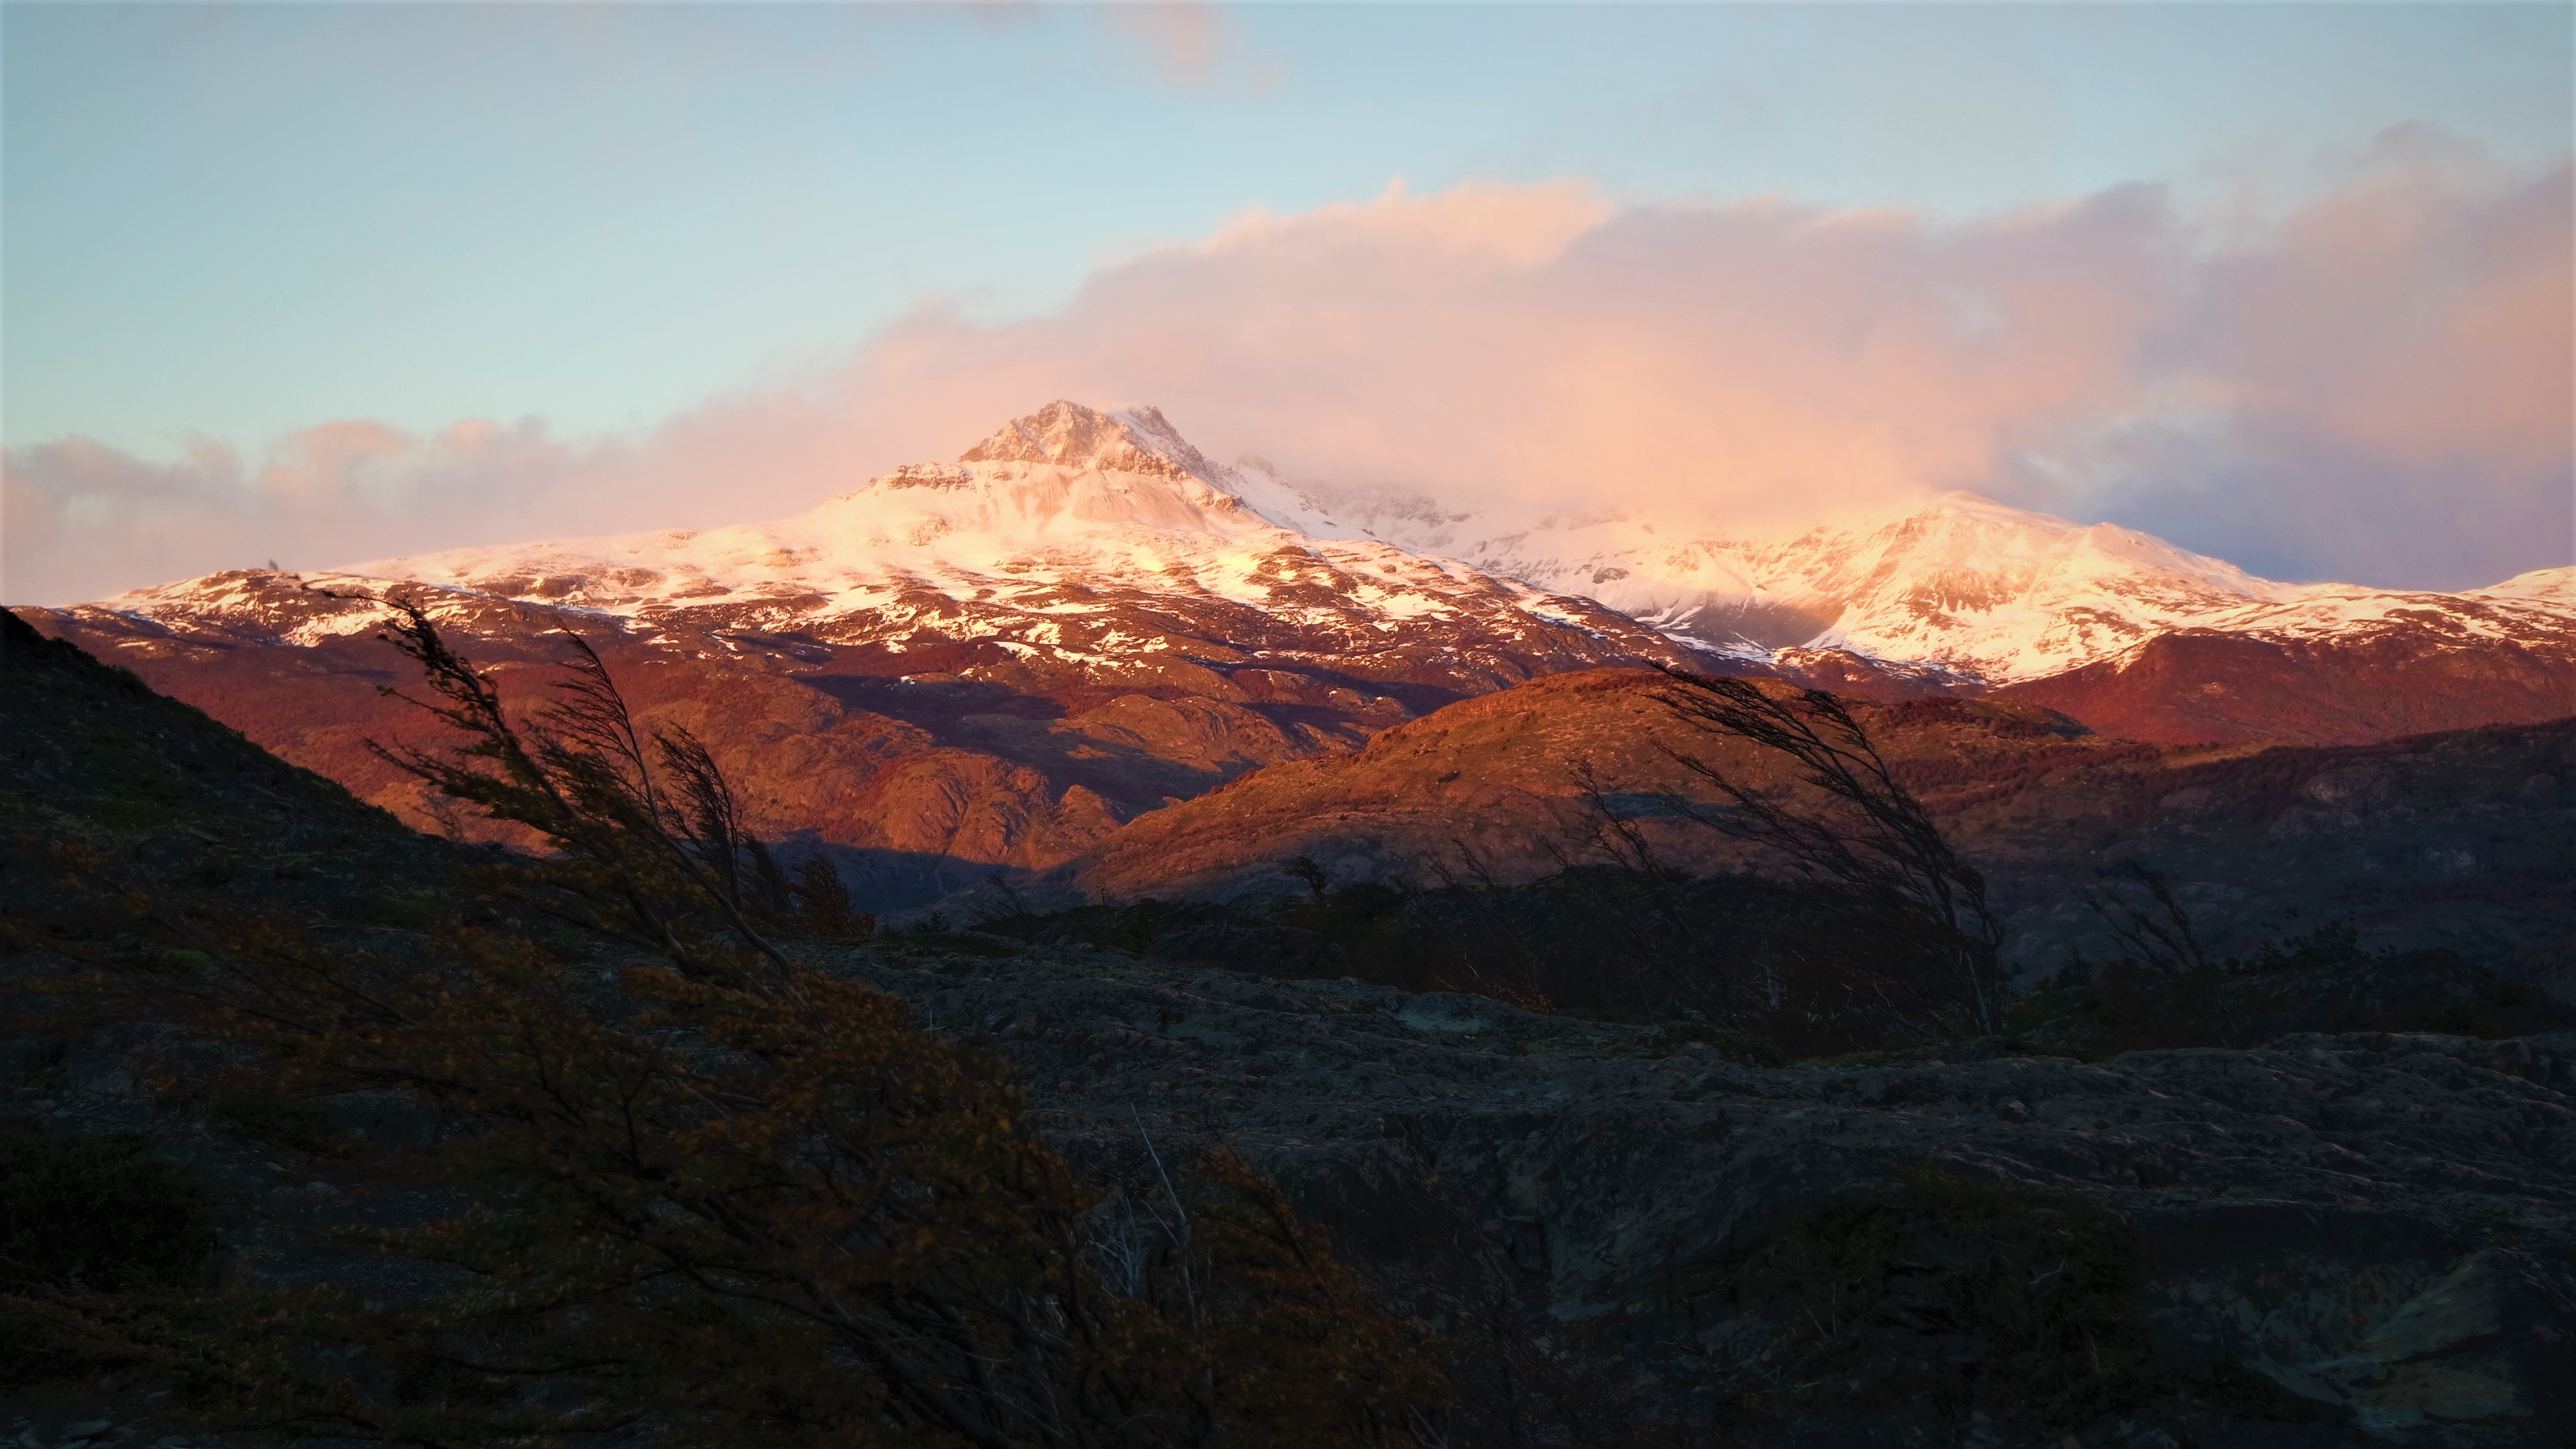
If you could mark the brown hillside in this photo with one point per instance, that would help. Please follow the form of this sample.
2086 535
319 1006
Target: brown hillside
936 758
2198 686
1498 784
2464 840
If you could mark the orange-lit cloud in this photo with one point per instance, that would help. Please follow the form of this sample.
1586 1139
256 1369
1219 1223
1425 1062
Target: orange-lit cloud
2376 385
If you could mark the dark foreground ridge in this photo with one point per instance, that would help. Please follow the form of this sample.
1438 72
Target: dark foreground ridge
1618 1233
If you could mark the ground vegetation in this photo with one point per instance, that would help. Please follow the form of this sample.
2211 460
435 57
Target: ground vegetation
611 1158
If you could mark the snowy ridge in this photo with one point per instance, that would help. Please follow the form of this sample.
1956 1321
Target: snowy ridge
1050 533
1955 582
2540 586
2536 609
1992 592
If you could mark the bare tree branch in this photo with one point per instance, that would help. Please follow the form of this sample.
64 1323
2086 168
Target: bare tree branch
1874 837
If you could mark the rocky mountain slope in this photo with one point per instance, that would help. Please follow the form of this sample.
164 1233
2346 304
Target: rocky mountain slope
2336 666
2457 841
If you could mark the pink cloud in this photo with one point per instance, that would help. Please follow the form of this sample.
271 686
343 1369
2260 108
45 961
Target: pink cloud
1188 40
2371 362
85 519
2418 314
2374 385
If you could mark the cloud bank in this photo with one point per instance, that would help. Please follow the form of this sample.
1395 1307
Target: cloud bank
2374 386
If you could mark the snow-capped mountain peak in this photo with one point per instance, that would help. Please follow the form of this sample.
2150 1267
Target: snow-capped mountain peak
1069 505
1069 435
1043 479
1042 538
1998 592
991 660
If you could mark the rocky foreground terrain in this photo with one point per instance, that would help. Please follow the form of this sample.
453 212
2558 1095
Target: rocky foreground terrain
2380 1226
1624 1234
2335 1240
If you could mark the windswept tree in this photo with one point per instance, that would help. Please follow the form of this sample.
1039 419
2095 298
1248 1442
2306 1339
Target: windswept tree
647 833
1868 834
2157 935
716 1197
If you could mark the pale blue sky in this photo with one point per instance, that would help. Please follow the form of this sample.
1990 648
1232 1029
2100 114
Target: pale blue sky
238 221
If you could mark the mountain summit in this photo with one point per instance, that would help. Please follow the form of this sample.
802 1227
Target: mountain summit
1044 536
1069 435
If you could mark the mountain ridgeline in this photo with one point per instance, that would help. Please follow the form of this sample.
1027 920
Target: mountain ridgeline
1013 661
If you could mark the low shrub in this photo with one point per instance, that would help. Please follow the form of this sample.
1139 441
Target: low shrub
101 1212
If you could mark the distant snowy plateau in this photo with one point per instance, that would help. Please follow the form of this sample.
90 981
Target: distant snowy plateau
1086 596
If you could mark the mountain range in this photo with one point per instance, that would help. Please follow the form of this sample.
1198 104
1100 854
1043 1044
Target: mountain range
998 663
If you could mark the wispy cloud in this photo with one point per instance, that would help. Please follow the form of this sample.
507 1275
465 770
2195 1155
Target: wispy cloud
1189 41
2375 385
